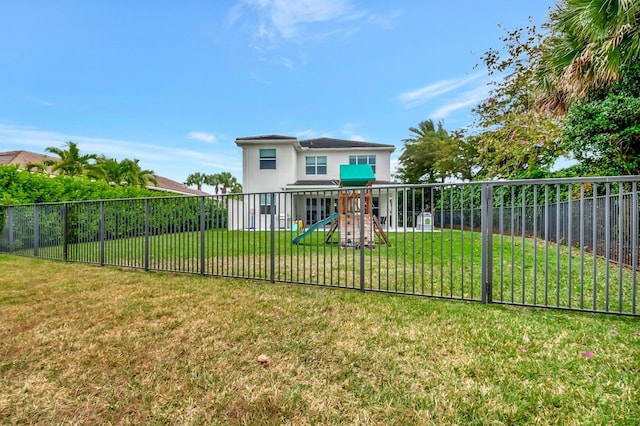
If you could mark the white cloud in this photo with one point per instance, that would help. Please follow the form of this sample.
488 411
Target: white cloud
419 96
386 21
466 99
283 18
40 101
203 136
302 21
275 25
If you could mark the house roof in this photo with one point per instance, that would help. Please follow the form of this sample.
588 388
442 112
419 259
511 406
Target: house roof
317 143
22 158
166 184
327 143
266 137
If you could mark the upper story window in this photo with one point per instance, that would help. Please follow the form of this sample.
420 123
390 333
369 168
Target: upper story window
316 165
267 159
364 159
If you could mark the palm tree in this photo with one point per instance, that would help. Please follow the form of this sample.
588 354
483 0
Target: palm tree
213 180
125 172
228 182
71 163
198 179
133 174
224 182
590 43
421 153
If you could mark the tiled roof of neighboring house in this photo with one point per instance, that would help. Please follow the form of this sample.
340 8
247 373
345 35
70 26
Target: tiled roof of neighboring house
266 137
340 143
22 158
166 184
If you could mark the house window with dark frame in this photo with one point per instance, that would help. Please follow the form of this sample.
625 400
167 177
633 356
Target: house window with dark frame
268 159
316 165
364 159
265 203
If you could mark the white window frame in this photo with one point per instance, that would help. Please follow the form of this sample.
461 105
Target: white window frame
364 159
266 159
314 167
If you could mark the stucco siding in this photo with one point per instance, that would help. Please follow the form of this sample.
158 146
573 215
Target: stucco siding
337 157
260 180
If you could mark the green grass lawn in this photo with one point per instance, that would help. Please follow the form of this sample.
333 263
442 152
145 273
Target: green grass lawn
446 263
81 344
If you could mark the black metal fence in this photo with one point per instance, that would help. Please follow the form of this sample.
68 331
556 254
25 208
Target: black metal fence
568 243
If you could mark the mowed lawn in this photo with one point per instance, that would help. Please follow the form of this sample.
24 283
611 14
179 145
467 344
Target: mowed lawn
86 344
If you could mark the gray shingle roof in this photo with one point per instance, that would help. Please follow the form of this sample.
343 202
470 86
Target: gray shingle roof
320 143
265 137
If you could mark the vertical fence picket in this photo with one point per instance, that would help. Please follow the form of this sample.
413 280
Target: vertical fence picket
634 244
36 230
487 237
11 226
272 239
202 235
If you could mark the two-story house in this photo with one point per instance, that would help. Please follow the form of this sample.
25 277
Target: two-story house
306 175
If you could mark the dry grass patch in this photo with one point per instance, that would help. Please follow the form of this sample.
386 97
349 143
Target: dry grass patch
85 344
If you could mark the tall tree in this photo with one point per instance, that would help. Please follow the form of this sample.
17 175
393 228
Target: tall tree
590 42
512 137
432 155
604 134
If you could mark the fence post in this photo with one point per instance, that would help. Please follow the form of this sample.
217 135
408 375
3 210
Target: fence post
10 215
634 243
65 233
272 275
36 231
486 225
362 230
202 229
146 234
102 233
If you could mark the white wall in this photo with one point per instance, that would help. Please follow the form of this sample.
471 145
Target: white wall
337 157
255 179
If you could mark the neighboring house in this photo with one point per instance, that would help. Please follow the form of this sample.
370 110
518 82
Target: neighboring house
168 185
275 163
22 158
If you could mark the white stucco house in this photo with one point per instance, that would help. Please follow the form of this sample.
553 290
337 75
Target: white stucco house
303 178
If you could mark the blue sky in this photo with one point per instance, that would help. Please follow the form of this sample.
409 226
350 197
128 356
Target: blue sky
173 83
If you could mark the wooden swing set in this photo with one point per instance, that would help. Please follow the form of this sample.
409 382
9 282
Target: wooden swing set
351 212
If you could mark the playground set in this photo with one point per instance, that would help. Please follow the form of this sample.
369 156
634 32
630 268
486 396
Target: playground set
347 221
